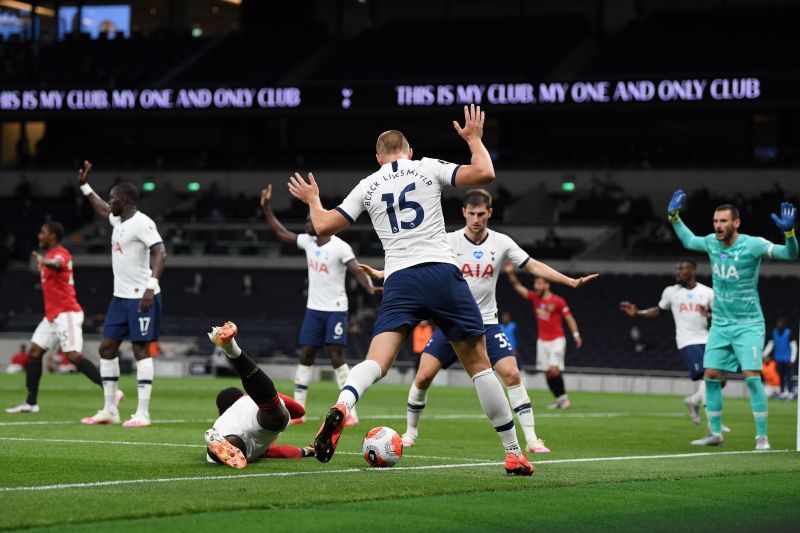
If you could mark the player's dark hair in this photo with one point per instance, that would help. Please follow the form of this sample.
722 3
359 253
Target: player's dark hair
128 190
729 207
56 229
391 142
688 261
228 397
478 197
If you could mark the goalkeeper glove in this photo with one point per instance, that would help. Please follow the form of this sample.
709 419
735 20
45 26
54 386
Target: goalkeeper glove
675 205
785 221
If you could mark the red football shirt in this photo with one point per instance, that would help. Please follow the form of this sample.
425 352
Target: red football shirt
550 313
58 286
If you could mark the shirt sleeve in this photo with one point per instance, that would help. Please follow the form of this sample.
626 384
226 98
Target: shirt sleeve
302 240
347 253
353 205
441 171
514 253
666 299
61 257
148 233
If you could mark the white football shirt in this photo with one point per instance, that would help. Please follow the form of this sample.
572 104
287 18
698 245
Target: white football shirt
481 264
130 254
691 327
241 419
327 267
403 200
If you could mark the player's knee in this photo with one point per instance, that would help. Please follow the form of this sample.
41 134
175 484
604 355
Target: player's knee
423 381
36 352
337 356
512 378
106 351
275 419
308 355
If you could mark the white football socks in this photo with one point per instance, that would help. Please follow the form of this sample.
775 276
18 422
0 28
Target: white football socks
302 377
341 373
416 404
144 376
495 406
361 377
699 397
109 373
522 406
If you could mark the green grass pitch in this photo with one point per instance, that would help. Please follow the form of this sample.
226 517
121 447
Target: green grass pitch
156 478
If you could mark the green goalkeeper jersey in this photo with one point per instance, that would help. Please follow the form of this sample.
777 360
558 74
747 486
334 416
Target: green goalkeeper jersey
734 272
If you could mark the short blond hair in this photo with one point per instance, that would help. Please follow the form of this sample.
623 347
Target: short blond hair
391 142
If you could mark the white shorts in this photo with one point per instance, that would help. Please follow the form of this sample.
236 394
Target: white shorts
66 330
550 353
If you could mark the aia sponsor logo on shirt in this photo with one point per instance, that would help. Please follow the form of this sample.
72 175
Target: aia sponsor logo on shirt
476 271
117 248
318 266
689 307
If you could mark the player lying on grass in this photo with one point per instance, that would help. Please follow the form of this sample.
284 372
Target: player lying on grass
736 338
249 422
480 253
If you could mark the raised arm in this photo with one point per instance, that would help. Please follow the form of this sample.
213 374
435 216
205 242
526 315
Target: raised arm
361 276
689 240
100 206
785 221
280 231
541 270
631 310
480 171
512 278
326 223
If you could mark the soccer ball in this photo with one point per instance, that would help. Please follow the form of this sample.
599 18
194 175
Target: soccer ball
382 447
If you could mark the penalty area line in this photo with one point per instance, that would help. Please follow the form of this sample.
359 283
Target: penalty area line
96 484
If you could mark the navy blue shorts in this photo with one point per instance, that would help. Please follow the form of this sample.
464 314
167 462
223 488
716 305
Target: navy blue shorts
497 345
124 322
323 327
692 356
435 291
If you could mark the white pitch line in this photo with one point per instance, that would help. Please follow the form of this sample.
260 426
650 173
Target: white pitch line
537 415
176 445
63 486
61 422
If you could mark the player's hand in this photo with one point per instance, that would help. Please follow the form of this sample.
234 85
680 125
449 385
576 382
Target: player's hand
147 301
676 203
788 214
266 196
302 190
376 290
578 341
83 172
374 273
473 123
509 267
580 282
629 308
38 257
703 310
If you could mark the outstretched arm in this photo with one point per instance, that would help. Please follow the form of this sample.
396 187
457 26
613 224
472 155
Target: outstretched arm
363 279
280 231
631 310
326 223
53 263
480 171
512 278
539 269
785 221
100 206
